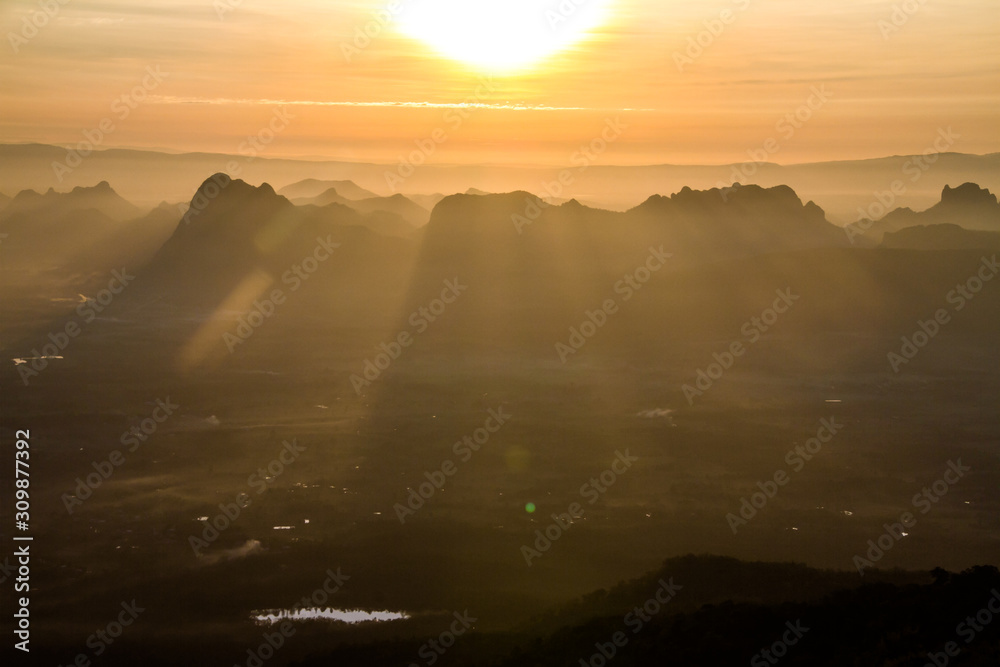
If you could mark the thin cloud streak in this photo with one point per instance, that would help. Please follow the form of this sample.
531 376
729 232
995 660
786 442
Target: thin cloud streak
169 99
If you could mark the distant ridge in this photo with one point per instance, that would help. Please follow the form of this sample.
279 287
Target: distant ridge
943 236
100 197
312 187
84 230
696 224
397 204
840 187
969 206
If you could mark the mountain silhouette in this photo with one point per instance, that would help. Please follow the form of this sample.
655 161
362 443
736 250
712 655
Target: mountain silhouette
707 610
696 226
536 269
86 230
426 201
312 187
968 206
397 204
100 197
740 220
236 231
944 236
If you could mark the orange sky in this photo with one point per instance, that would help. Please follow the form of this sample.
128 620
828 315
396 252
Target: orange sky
227 65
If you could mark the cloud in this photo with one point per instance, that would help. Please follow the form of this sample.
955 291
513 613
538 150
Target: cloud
248 548
170 99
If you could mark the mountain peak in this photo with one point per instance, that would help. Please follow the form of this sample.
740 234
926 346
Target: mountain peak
222 185
968 194
746 195
101 197
968 206
103 188
220 195
311 188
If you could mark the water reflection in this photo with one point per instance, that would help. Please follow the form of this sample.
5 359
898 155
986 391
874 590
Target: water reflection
315 613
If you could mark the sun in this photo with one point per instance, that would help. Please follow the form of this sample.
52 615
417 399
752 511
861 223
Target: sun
501 35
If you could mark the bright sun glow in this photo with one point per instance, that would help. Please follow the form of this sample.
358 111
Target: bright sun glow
501 35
